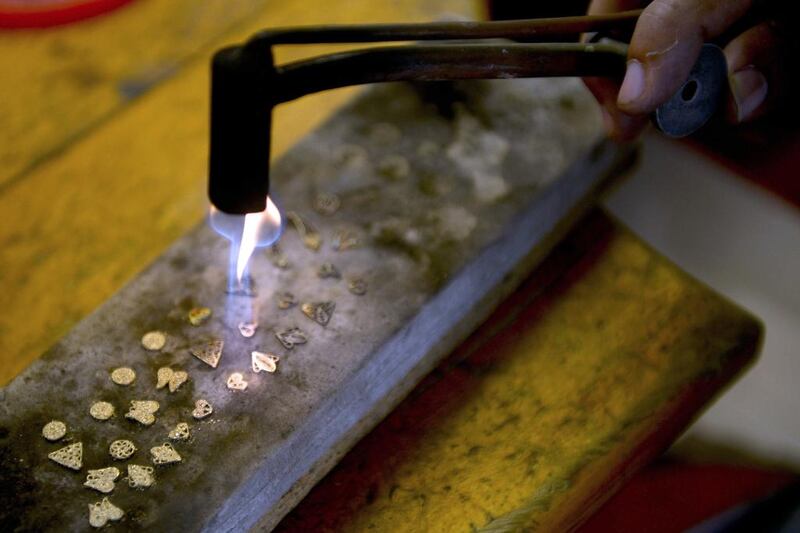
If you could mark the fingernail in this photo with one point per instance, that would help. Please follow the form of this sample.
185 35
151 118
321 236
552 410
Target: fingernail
749 88
633 84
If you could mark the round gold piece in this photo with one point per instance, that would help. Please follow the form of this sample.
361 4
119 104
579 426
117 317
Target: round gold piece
121 449
154 340
101 410
123 376
54 430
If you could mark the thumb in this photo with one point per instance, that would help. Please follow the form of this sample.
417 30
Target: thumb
665 46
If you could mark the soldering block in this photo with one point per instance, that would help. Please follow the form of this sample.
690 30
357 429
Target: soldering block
496 172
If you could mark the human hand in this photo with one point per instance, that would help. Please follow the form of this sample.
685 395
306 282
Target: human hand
666 44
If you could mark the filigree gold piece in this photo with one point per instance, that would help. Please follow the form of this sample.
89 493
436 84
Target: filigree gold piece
320 312
261 361
394 167
140 477
164 454
121 449
277 257
286 300
328 270
202 409
291 337
101 512
357 286
154 340
198 315
326 204
143 411
163 375
311 238
180 432
247 329
54 430
102 480
209 352
345 240
179 377
70 456
123 376
236 382
101 410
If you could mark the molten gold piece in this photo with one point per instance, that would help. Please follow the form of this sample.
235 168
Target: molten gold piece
198 315
291 337
311 238
143 411
286 300
140 477
101 410
320 312
247 329
154 340
123 376
236 382
54 430
165 454
174 378
267 362
180 432
202 409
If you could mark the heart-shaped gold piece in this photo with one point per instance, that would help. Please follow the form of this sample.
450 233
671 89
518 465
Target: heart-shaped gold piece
102 480
143 411
103 511
236 382
165 454
180 432
140 477
202 409
267 362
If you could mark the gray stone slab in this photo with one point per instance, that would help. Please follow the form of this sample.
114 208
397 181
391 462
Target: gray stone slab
493 180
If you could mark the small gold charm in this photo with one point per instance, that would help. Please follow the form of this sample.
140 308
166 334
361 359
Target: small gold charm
70 456
268 362
277 257
121 449
179 377
180 432
154 340
286 300
328 270
247 329
103 511
101 410
209 352
311 239
102 480
291 337
319 312
54 430
140 477
123 376
202 409
357 286
198 315
143 411
236 382
165 454
394 167
163 375
326 204
345 240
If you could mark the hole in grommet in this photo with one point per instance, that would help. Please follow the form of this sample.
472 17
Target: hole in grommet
689 90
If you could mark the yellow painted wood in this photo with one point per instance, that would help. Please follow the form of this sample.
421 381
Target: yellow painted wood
83 221
537 415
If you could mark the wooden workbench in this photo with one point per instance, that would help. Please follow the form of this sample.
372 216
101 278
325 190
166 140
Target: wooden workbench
508 432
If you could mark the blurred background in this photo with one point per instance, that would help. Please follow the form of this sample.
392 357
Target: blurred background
724 206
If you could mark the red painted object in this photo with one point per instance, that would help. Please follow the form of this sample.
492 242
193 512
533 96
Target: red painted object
33 14
671 496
